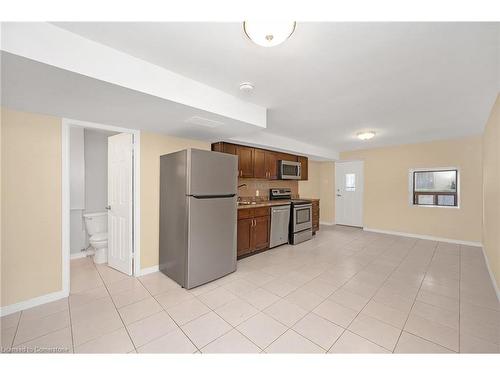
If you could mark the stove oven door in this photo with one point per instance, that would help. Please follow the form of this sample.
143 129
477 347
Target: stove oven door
302 217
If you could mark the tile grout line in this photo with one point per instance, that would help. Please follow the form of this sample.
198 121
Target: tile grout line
416 296
17 329
349 279
71 327
339 287
371 298
166 312
117 311
261 311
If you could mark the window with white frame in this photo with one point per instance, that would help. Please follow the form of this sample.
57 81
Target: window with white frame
435 188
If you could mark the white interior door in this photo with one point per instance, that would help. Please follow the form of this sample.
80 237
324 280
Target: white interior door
349 183
120 159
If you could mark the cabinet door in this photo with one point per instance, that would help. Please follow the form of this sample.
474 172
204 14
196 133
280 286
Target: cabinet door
287 157
229 148
260 235
245 230
259 163
272 165
315 216
245 161
303 167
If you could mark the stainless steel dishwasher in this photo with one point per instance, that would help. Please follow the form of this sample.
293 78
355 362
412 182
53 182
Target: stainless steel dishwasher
280 220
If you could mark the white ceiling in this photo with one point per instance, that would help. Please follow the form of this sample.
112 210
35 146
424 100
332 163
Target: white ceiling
409 82
31 86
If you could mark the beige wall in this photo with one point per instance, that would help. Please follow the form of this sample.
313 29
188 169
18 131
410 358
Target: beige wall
321 185
31 206
491 190
386 199
152 147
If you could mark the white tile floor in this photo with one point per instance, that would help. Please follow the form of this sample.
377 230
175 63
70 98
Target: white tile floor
344 291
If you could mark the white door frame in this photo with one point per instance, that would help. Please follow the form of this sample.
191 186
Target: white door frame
362 196
66 124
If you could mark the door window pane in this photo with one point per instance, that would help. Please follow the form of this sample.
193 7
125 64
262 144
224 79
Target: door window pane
350 182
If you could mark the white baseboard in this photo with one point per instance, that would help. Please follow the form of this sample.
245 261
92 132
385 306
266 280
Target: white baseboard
147 271
23 305
326 223
424 237
79 255
492 276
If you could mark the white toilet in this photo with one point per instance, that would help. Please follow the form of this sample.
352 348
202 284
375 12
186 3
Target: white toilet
97 229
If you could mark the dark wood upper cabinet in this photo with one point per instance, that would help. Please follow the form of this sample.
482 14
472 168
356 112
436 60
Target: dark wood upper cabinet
287 157
271 165
259 163
245 160
303 167
227 148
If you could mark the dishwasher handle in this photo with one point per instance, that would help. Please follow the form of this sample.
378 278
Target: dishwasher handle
280 209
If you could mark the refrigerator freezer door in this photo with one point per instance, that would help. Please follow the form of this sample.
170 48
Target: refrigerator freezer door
212 173
212 239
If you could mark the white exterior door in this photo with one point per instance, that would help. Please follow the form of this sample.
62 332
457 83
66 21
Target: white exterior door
120 161
349 183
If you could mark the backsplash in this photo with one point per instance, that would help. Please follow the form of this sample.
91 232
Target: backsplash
249 192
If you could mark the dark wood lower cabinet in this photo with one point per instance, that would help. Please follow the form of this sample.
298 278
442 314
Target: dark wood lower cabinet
253 230
245 233
315 216
261 233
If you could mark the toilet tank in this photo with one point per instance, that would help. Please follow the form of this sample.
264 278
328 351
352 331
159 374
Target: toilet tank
96 222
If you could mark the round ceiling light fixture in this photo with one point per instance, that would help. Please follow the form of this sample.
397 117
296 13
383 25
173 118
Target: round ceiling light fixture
268 34
246 86
366 135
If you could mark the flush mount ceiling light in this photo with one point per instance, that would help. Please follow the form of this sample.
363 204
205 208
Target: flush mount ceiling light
246 86
268 34
366 135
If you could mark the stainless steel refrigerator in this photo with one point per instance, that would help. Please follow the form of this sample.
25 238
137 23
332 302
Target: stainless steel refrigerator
198 216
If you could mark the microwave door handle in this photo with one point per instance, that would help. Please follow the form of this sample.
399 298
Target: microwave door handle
299 170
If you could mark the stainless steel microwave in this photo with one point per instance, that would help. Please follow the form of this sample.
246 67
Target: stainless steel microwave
288 170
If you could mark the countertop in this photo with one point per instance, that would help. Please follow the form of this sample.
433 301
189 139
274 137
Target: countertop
270 203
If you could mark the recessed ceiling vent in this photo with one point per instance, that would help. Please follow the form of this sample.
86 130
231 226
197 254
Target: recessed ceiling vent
201 121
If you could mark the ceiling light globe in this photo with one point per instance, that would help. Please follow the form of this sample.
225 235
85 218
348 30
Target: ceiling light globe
268 34
366 135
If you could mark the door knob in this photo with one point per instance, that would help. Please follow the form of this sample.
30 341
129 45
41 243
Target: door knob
108 207
338 195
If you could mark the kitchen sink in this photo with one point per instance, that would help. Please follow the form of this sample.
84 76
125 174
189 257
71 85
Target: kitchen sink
246 203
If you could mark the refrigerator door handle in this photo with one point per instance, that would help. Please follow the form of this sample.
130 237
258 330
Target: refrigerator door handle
212 196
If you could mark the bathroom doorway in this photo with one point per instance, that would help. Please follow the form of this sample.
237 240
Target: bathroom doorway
100 183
